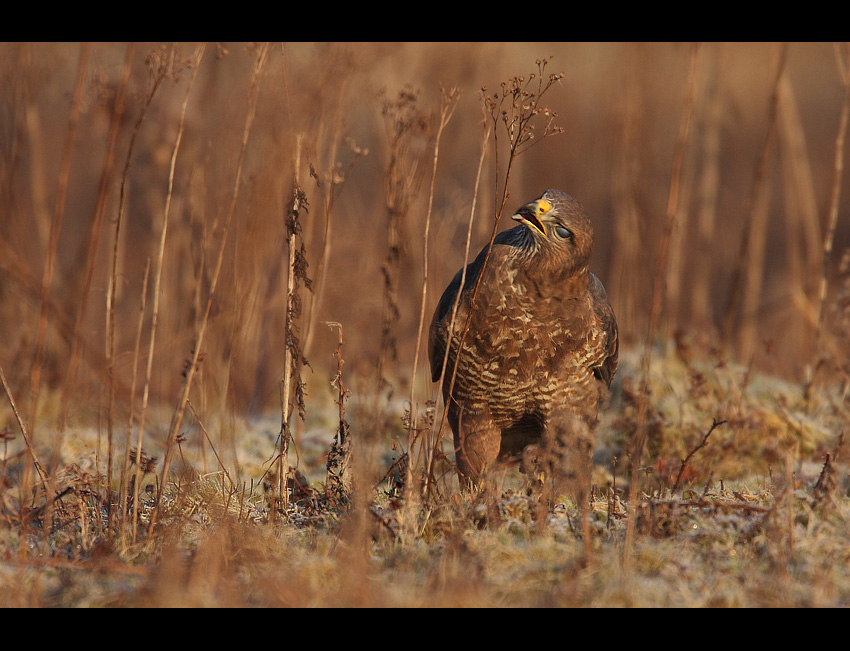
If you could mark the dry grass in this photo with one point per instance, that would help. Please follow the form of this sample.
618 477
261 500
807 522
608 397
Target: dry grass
181 221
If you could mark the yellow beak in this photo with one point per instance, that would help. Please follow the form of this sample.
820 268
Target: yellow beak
531 213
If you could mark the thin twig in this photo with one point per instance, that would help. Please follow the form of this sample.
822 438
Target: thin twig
209 440
746 279
35 462
94 239
178 417
55 229
298 199
838 169
636 447
154 309
714 425
447 108
126 471
436 444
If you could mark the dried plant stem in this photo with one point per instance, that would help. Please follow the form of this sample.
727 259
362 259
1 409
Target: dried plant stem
339 483
176 421
749 267
448 105
701 311
430 479
27 440
212 445
802 224
493 234
623 282
158 71
403 122
639 437
330 187
94 240
838 170
53 242
122 492
714 425
289 360
118 112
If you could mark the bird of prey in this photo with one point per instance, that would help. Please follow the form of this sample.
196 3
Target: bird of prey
541 349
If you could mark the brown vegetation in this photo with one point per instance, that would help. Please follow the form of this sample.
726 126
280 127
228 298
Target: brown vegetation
182 223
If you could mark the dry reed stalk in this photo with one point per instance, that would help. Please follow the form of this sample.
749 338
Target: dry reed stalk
292 353
636 445
212 447
435 447
53 242
331 189
802 223
832 217
748 276
624 283
122 491
339 483
448 104
30 123
678 256
404 123
330 177
270 300
198 56
32 457
701 313
94 239
157 75
42 475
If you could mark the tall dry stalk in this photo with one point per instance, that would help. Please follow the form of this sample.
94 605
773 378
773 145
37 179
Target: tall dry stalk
636 445
94 240
405 125
802 225
747 278
448 104
42 474
623 283
125 473
708 185
339 484
53 242
436 440
177 419
291 387
832 218
158 74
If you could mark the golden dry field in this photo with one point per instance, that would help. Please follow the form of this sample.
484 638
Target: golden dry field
218 263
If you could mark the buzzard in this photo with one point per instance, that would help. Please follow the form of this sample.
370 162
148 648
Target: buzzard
542 344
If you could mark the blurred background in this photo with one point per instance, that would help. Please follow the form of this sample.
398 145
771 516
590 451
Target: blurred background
354 125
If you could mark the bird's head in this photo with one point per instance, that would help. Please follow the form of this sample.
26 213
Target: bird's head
559 229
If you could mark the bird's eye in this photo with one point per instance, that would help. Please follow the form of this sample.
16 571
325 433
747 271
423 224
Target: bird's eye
565 233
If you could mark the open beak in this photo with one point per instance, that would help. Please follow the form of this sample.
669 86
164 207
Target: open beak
530 214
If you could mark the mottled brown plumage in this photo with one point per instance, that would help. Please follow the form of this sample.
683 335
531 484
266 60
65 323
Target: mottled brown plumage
542 344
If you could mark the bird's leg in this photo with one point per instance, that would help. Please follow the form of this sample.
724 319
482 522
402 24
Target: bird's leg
477 442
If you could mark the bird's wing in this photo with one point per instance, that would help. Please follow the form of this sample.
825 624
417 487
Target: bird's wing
438 332
605 313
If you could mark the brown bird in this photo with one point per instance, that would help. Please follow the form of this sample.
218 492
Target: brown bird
542 344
